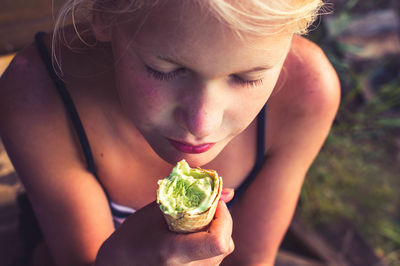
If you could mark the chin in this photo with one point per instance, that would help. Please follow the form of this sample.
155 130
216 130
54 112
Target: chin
193 160
198 161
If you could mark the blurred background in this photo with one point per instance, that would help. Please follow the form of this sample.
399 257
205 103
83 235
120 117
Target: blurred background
349 209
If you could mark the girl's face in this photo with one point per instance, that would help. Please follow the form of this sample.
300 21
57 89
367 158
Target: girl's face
189 84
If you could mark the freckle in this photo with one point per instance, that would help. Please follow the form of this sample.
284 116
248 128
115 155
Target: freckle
101 154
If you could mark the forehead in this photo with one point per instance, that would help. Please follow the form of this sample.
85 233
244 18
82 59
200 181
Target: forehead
190 33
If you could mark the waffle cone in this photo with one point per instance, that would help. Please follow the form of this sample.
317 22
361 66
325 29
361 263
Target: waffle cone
187 223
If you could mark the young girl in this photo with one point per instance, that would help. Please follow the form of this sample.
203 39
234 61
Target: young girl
139 85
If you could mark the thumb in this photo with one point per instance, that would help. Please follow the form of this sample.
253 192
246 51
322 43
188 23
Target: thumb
207 244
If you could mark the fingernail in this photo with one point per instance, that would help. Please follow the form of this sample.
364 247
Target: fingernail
227 191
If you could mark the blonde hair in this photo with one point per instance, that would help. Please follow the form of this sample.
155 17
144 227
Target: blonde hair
257 17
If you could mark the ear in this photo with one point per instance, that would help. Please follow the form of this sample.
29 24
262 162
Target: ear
101 29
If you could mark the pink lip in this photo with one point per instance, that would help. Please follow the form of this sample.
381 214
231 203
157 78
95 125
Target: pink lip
188 148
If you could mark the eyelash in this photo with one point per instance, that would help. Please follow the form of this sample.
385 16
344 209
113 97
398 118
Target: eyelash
164 76
171 75
249 83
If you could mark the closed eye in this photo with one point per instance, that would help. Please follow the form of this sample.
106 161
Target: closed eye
171 75
245 82
162 75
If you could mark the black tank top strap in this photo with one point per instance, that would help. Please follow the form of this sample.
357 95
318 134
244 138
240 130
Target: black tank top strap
259 157
260 138
68 103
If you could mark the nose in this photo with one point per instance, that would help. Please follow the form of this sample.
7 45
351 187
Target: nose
201 110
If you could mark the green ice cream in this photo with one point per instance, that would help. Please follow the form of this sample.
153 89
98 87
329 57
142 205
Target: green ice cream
186 190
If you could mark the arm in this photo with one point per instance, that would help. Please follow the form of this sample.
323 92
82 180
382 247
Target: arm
298 121
67 200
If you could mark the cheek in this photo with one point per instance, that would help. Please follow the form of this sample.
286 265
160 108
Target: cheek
142 98
139 93
149 95
145 101
247 106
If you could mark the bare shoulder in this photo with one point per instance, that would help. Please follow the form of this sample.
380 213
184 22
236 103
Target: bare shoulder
42 147
311 83
33 124
28 99
25 83
307 100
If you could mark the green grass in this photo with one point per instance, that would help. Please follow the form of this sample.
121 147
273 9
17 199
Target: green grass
356 176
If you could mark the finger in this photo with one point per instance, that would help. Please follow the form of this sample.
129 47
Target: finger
215 242
222 222
231 246
220 229
217 260
227 194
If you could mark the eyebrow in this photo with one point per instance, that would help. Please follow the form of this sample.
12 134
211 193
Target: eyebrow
254 69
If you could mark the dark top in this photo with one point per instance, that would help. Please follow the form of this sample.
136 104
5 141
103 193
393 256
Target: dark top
85 145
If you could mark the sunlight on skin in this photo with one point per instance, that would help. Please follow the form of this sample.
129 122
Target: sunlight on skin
5 60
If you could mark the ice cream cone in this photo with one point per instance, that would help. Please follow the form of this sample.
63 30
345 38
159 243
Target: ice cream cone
187 223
